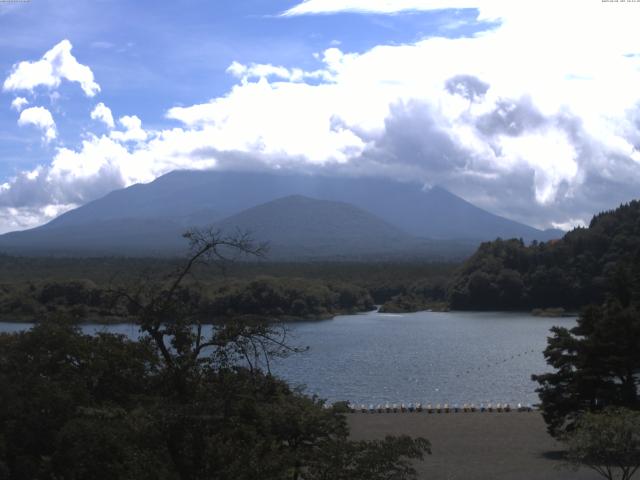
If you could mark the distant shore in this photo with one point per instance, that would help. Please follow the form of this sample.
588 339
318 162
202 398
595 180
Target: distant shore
475 446
113 320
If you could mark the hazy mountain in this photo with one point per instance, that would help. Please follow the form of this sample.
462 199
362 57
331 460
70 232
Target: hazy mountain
302 226
180 195
149 218
295 228
127 236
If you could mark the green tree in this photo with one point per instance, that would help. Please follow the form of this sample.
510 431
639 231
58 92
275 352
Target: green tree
597 364
607 442
186 401
67 395
388 459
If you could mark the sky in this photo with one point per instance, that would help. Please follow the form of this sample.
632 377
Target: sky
529 109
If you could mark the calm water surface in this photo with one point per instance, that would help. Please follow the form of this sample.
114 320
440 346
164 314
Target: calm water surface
427 357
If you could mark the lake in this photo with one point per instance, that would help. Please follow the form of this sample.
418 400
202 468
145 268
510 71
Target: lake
428 357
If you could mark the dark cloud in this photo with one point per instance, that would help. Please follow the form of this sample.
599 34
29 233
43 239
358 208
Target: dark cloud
415 147
412 136
511 117
467 86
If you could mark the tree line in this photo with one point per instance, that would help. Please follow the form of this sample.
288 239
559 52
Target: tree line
270 297
584 267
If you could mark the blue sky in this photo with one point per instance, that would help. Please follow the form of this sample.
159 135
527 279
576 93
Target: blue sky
149 55
373 92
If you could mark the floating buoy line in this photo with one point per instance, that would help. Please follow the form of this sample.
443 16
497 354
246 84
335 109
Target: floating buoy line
446 407
437 408
502 361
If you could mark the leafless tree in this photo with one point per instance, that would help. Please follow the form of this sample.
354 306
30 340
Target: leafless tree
169 311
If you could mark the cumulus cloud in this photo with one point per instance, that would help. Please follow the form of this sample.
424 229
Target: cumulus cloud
13 218
54 66
522 123
19 103
259 70
103 113
100 165
41 118
133 131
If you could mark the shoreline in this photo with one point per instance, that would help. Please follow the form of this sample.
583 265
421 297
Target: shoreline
95 320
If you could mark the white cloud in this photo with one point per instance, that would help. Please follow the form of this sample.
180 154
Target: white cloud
569 224
41 118
100 165
133 130
12 219
19 103
54 66
260 70
520 119
550 155
315 7
282 120
103 113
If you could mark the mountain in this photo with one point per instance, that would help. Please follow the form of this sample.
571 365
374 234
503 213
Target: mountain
190 197
127 236
149 217
300 226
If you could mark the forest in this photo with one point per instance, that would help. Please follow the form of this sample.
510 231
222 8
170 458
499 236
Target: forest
584 267
32 287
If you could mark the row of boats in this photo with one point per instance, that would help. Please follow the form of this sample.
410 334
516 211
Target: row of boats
438 408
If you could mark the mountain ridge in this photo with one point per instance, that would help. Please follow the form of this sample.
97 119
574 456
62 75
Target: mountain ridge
182 199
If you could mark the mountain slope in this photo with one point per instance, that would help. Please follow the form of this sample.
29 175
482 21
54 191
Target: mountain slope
302 226
140 237
178 196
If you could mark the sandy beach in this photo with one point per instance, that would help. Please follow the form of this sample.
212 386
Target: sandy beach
476 446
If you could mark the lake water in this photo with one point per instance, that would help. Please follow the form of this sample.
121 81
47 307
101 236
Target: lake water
428 357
